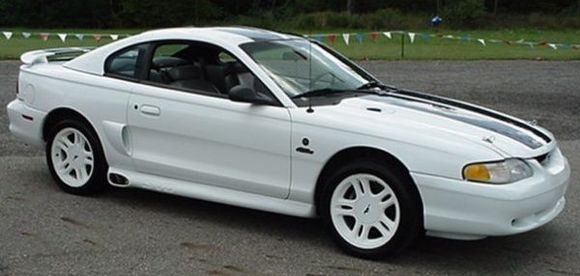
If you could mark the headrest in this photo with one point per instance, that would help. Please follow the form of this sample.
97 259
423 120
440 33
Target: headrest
184 73
238 68
226 68
163 62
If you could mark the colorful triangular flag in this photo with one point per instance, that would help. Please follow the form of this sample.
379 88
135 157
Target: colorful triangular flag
388 35
426 37
114 36
553 46
359 37
482 41
62 37
26 35
331 38
97 37
44 36
374 36
8 35
80 36
346 37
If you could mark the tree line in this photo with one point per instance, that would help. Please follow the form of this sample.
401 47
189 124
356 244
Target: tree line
156 13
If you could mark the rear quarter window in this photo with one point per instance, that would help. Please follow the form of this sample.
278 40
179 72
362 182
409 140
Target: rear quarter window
125 63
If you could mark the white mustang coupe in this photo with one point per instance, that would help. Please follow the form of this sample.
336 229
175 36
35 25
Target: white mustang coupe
280 123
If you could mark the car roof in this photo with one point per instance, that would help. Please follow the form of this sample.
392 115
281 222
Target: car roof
93 62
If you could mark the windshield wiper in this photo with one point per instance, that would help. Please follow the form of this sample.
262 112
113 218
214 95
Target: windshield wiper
375 84
330 91
319 92
371 84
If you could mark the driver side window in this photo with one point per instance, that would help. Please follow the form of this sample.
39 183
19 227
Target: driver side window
201 68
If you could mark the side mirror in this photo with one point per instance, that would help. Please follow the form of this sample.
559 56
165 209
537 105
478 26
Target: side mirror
245 94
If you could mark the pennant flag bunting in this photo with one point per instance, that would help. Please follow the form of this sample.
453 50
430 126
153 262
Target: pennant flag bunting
8 35
62 37
332 38
412 37
359 37
346 37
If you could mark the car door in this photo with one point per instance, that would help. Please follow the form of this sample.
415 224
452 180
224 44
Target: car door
181 130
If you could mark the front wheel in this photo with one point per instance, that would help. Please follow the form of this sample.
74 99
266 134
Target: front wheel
75 158
371 211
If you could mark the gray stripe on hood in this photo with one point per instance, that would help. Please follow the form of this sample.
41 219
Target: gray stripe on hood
468 116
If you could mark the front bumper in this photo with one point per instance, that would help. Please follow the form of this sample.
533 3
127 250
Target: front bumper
461 209
25 122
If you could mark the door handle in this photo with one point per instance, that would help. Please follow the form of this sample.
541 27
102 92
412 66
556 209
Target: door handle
150 110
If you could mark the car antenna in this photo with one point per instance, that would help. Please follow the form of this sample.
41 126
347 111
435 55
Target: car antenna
309 109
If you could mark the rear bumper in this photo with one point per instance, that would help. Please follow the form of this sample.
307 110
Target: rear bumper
25 122
465 210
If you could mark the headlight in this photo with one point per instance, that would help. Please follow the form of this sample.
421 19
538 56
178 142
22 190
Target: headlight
502 172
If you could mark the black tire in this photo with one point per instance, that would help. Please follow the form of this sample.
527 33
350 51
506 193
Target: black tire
97 181
410 225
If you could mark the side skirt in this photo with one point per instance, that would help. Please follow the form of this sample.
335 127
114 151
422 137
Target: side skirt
213 193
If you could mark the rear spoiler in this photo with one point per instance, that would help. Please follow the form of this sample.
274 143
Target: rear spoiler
41 56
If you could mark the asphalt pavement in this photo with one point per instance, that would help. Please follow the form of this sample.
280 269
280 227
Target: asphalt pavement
44 231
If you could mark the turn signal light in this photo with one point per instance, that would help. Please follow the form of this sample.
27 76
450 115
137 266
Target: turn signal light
477 172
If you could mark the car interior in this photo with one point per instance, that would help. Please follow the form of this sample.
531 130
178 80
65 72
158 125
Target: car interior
200 67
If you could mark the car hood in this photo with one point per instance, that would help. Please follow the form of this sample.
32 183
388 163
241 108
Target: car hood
506 135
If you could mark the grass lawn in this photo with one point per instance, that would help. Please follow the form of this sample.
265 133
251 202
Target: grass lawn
383 48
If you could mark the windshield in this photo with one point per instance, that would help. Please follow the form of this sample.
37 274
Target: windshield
299 66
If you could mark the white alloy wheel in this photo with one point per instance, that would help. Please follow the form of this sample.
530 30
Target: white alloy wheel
72 157
365 211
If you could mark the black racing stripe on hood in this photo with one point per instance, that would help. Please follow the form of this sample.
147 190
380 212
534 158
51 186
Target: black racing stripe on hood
495 115
450 110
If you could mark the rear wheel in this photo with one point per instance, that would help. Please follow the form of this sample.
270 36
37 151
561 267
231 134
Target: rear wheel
370 210
75 158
